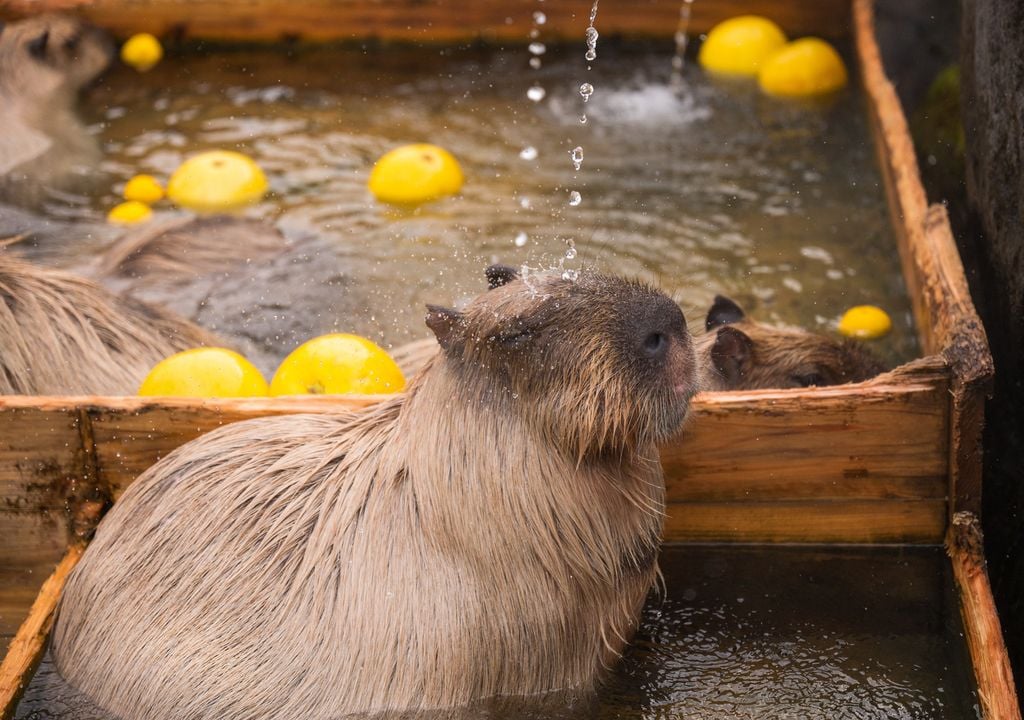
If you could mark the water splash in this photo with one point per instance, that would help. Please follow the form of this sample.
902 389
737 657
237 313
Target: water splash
682 39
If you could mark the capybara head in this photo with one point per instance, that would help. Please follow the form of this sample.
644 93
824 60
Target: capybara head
593 364
747 355
48 56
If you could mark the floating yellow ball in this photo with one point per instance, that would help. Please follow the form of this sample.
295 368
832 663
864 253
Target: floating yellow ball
740 45
129 212
415 174
142 52
143 189
803 68
215 181
865 322
336 364
204 373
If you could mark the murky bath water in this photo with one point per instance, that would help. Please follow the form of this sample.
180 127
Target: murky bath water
756 633
715 190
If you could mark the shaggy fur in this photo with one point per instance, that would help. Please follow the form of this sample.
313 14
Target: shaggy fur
63 335
493 531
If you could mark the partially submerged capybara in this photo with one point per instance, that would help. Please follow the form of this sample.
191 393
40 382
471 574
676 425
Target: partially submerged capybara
64 335
492 531
44 62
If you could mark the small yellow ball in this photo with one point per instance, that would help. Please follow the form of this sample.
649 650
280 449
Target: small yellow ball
142 52
865 322
740 45
803 68
204 373
216 181
415 174
337 364
129 212
144 189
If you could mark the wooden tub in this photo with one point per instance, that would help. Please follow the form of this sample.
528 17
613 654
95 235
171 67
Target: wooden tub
896 460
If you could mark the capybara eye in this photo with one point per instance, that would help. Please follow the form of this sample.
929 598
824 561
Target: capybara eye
655 343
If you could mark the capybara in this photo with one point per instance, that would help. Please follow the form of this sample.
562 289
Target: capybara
64 335
44 62
492 531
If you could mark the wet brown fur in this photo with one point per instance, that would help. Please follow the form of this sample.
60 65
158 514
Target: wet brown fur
64 335
492 531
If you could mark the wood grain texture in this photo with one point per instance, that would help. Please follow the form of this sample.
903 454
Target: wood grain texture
992 671
26 649
427 20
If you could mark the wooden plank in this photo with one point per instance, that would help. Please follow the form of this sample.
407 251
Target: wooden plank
430 20
992 670
26 649
826 521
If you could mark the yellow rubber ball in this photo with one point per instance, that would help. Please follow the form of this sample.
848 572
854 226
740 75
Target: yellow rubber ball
215 181
865 322
143 189
204 373
337 364
803 68
740 45
129 212
415 174
142 52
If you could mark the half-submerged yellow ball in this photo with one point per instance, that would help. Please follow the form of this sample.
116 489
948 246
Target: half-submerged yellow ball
865 322
142 52
803 68
415 174
336 364
204 373
215 181
129 212
740 45
144 189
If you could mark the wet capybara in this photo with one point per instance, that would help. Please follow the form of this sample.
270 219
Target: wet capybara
492 531
44 62
65 335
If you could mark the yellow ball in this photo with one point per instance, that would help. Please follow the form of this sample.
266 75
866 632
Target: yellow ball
415 174
129 212
865 322
204 373
142 52
337 364
143 189
215 181
803 68
740 45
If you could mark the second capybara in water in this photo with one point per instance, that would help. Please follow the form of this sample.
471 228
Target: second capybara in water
65 335
491 532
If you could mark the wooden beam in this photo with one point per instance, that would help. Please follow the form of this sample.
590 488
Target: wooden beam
434 21
996 690
26 649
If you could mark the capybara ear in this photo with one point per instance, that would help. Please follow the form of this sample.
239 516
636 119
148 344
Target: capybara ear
723 312
731 353
498 275
444 322
37 45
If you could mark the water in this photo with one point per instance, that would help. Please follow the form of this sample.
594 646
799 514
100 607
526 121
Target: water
682 41
712 189
754 633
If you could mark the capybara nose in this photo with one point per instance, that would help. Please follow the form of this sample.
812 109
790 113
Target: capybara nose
657 325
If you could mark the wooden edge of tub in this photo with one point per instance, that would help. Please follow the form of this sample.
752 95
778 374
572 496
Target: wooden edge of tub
947 321
993 674
27 647
434 21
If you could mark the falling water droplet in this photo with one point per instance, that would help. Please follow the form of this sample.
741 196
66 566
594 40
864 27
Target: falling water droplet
528 153
521 239
592 36
538 48
535 63
583 119
525 203
586 90
577 157
575 198
534 34
570 275
540 18
570 252
536 93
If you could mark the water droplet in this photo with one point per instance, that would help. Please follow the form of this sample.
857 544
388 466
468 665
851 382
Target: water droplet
534 34
591 55
583 119
540 18
577 157
536 93
586 90
570 253
570 275
592 36
538 48
535 63
528 153
575 198
521 239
